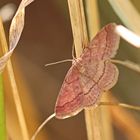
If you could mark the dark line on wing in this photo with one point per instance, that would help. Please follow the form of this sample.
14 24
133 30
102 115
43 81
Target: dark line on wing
70 101
96 83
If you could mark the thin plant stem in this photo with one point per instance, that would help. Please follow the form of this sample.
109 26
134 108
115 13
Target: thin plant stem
77 26
99 125
137 108
79 29
124 121
101 103
129 64
15 93
42 125
128 35
126 11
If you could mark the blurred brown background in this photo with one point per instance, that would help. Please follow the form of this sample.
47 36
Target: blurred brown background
47 38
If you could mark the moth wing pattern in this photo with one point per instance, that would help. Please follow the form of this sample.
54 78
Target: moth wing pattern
89 81
110 76
90 75
103 46
97 77
70 98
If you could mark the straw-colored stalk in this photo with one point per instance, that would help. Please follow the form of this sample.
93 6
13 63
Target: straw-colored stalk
95 127
126 12
101 122
78 25
14 91
124 120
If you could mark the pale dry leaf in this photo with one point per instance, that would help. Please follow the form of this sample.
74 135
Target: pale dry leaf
16 29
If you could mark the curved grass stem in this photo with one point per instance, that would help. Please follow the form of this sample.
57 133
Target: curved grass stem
42 125
129 64
121 105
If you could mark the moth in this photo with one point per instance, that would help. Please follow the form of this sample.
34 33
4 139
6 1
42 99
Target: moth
90 75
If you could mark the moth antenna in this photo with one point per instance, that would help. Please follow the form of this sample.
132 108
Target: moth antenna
59 62
121 104
42 125
131 65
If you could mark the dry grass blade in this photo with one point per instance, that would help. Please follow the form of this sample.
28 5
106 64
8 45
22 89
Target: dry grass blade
78 27
137 108
14 36
126 11
77 16
125 121
15 93
92 117
129 64
128 35
101 126
16 29
92 17
42 125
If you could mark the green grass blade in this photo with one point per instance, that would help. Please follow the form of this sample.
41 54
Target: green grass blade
2 113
